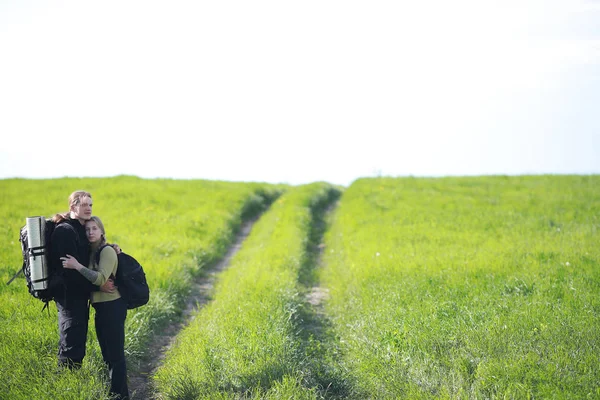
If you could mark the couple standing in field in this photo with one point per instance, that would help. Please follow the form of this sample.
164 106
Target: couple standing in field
86 263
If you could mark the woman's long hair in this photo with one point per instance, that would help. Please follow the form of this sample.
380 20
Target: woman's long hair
98 222
101 226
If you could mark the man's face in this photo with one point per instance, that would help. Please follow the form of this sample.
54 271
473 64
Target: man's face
83 210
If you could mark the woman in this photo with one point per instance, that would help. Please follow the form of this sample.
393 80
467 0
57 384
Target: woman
111 309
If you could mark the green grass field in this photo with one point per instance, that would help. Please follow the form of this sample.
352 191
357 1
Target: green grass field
245 342
468 287
174 228
445 288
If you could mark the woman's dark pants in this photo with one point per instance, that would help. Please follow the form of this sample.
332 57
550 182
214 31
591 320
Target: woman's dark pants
110 329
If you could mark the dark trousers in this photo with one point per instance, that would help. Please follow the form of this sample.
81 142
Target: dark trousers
110 329
73 314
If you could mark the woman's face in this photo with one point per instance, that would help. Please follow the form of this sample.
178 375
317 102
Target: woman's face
93 232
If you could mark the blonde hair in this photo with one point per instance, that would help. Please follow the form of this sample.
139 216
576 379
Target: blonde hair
74 200
98 222
76 196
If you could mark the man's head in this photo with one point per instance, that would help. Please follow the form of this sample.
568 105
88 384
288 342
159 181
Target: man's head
80 205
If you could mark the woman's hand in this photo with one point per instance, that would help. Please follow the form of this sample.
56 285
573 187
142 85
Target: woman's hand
108 287
70 262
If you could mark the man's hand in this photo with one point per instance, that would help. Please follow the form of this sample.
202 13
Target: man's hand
117 248
108 287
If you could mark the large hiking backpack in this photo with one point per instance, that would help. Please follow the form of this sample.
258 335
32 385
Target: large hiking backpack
35 245
130 280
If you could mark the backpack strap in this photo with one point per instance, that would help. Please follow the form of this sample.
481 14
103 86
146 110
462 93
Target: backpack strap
46 306
17 274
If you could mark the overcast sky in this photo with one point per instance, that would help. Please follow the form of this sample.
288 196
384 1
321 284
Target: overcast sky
296 92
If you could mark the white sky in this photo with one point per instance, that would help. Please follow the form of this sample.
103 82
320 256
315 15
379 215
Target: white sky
296 92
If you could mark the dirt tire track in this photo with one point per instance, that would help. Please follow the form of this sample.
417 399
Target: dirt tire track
322 369
139 381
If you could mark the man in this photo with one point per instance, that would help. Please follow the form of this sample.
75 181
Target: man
72 291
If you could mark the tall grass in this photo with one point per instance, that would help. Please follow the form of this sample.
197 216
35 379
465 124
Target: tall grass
245 342
466 288
174 228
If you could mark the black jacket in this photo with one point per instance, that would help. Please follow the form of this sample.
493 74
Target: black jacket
69 238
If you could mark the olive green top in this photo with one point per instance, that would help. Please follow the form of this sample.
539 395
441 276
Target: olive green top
107 267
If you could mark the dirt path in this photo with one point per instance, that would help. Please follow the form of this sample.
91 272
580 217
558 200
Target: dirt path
320 346
315 297
317 294
139 381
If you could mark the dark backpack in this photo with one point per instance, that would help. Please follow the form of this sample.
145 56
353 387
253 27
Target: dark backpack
44 288
130 280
